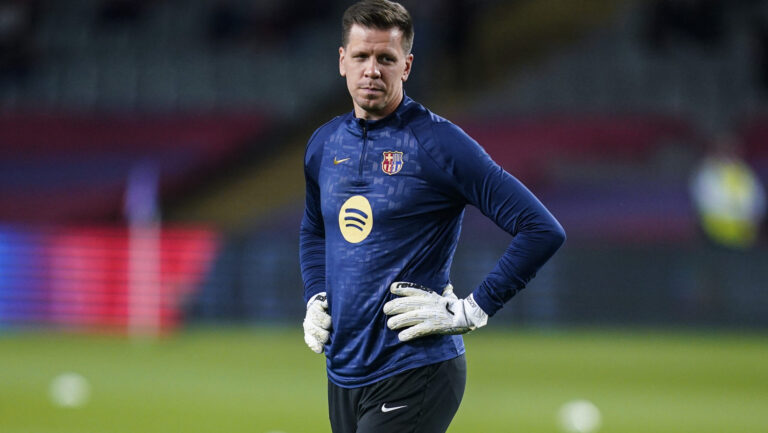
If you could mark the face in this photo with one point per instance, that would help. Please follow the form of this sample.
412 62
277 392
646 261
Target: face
375 67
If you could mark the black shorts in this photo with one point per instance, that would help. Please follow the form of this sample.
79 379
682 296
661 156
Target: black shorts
421 400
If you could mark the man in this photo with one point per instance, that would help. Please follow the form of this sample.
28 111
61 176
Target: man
386 189
728 196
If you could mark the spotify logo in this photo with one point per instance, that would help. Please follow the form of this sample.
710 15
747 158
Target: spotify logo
356 219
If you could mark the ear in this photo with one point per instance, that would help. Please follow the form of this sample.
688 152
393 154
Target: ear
408 63
342 69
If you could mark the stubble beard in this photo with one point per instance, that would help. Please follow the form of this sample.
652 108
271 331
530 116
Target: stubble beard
372 106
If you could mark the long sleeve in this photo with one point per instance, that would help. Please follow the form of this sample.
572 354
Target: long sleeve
312 232
506 201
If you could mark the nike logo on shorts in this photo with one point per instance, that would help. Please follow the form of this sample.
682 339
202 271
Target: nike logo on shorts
386 409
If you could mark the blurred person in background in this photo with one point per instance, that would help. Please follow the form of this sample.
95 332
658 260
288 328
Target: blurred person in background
730 204
386 188
728 196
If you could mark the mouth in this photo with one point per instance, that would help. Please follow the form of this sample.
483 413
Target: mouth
371 93
371 89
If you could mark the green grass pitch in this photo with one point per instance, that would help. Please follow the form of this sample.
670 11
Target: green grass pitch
260 380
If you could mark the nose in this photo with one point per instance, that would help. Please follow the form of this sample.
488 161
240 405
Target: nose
372 69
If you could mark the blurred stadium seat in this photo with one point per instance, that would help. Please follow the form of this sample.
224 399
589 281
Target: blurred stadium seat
60 168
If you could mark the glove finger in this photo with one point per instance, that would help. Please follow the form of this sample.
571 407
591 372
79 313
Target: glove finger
417 331
408 319
404 288
402 305
310 328
317 332
319 318
313 344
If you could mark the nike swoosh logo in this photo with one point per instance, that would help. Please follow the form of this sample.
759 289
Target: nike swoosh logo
386 409
449 310
339 161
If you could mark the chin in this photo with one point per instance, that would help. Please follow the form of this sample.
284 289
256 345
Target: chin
372 106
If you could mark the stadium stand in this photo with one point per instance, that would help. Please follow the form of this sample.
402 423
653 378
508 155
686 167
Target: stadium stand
60 168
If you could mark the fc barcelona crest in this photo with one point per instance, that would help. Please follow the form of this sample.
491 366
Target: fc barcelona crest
392 162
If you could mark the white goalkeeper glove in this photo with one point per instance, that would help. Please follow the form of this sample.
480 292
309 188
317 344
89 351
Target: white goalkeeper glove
317 322
423 312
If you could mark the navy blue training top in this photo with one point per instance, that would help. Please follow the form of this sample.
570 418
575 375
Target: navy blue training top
384 202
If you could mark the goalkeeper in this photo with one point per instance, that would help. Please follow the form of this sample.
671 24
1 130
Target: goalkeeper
386 188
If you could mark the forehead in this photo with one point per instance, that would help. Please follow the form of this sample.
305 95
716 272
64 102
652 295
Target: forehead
364 38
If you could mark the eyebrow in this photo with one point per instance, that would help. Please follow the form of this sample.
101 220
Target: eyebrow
385 52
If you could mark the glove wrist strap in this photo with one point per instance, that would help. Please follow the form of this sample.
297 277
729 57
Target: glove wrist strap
476 316
320 296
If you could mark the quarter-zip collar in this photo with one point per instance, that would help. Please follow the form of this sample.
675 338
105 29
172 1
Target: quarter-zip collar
358 126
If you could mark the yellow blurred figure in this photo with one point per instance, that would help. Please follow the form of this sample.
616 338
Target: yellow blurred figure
729 197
